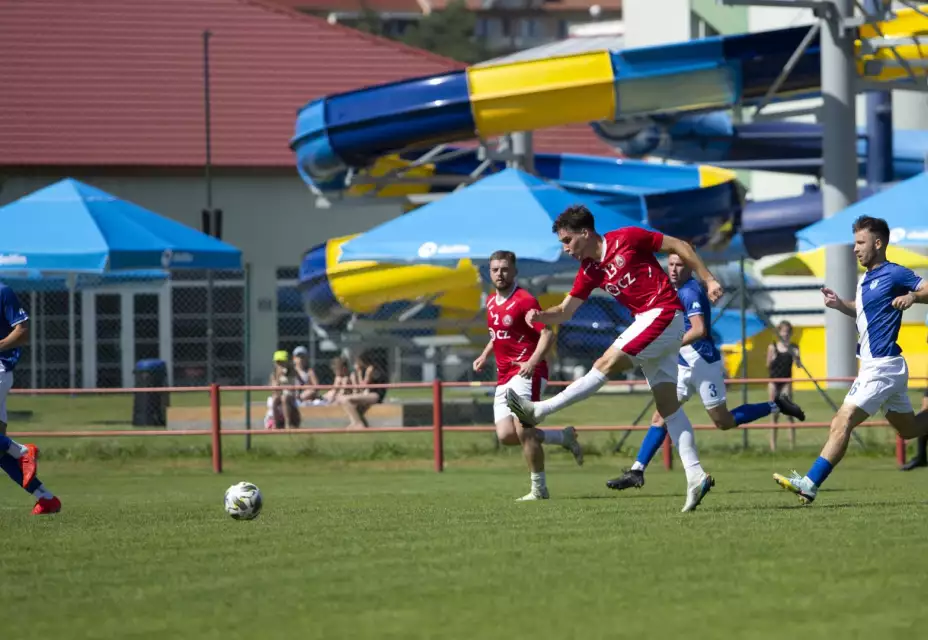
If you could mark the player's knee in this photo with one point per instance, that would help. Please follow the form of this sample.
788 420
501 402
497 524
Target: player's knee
506 433
609 361
722 418
657 420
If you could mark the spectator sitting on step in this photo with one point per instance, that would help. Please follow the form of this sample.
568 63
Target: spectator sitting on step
282 409
361 398
343 382
305 376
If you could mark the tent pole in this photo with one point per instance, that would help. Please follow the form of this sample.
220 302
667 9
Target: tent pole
33 343
744 345
72 357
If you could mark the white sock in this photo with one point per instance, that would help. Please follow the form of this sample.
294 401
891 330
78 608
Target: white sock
42 493
538 480
17 450
637 466
553 436
578 390
681 434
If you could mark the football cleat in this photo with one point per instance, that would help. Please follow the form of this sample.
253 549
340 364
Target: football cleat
572 445
537 493
696 491
799 485
46 506
522 409
630 478
789 408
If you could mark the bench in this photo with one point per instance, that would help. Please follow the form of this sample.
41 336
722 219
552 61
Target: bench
411 413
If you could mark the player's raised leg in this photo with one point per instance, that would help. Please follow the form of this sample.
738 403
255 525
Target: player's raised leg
533 413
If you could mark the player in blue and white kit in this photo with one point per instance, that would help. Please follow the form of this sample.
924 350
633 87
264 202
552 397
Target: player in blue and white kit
883 293
18 460
699 371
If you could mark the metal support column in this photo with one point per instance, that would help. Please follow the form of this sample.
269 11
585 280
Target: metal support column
879 125
521 147
839 173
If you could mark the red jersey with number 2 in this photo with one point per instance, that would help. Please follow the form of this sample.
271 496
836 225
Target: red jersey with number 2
514 340
629 272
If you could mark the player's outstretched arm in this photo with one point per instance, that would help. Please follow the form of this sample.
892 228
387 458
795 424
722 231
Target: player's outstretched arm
697 330
920 295
691 259
832 301
545 340
19 336
482 358
555 315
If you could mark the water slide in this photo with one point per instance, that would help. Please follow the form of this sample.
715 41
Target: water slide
786 147
388 123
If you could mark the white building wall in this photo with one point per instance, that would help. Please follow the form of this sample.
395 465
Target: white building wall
651 22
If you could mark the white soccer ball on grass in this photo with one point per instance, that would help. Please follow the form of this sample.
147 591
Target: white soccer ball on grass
243 501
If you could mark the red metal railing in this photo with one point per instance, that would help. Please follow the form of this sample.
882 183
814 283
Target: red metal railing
437 428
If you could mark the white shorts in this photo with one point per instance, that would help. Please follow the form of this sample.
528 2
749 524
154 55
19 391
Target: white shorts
705 378
6 381
524 387
882 383
653 342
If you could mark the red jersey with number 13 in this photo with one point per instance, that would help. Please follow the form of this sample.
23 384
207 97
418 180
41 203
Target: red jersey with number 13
514 340
629 272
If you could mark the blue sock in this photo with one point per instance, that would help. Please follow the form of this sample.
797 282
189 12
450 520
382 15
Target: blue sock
5 443
820 471
751 412
11 466
653 440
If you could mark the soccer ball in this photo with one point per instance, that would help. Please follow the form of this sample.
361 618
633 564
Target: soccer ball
243 501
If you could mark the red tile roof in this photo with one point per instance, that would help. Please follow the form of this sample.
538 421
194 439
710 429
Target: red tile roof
119 82
395 6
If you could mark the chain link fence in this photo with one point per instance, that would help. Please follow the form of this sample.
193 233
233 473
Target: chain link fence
197 323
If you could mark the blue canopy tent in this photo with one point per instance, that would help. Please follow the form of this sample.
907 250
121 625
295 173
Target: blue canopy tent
903 206
70 228
509 210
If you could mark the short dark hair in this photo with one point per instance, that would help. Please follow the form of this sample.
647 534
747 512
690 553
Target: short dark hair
502 254
574 218
785 323
876 226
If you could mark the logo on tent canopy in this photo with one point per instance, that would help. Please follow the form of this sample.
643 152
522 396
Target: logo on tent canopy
168 258
13 260
430 249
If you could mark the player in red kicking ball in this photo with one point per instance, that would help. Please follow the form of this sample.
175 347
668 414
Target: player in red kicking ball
622 262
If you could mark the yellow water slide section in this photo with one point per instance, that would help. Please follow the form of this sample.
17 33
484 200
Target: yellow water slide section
362 286
812 263
710 176
535 94
907 23
383 166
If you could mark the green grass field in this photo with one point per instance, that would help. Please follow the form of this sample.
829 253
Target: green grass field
360 538
390 549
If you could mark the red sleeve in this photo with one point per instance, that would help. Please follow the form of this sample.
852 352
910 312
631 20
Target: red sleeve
583 285
644 240
531 302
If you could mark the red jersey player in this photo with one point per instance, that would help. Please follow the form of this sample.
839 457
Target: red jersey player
622 262
519 348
